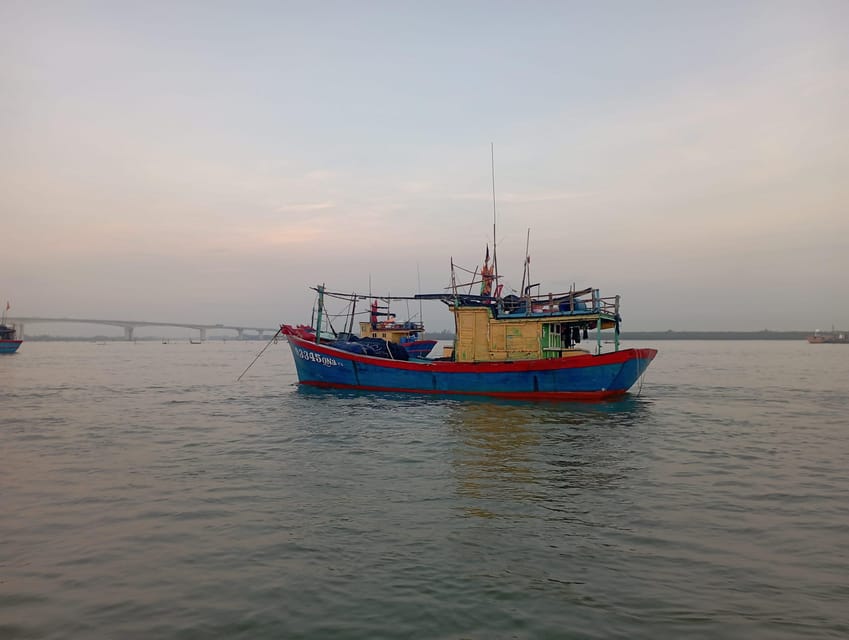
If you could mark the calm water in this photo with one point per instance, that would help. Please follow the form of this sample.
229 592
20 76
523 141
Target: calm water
146 494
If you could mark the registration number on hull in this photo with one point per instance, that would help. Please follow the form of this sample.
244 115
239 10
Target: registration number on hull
318 358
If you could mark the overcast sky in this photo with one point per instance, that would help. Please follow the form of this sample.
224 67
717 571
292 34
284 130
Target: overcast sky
208 161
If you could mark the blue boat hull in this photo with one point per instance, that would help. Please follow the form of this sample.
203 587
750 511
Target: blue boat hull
9 346
585 377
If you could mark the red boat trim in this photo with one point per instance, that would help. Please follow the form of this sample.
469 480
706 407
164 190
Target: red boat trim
573 362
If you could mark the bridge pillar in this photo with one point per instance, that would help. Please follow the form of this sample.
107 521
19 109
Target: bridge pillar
128 333
261 333
202 335
241 333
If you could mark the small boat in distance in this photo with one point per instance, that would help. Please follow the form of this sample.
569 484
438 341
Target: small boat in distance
833 337
9 342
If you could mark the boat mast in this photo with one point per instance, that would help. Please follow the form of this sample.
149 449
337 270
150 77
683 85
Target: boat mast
526 269
421 312
453 279
494 250
353 311
320 290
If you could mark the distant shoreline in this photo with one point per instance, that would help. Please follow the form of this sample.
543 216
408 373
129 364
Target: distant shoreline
186 339
710 335
764 334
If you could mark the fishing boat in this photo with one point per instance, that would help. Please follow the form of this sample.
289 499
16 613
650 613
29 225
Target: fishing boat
381 327
407 334
833 337
9 342
521 346
8 339
517 347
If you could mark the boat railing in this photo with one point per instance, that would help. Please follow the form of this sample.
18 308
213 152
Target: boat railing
388 325
586 302
609 305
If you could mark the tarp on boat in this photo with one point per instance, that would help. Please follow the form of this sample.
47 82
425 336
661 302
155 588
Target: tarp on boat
375 347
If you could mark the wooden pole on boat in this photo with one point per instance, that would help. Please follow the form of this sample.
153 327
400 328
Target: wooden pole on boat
616 328
353 311
421 312
494 241
526 267
320 290
598 335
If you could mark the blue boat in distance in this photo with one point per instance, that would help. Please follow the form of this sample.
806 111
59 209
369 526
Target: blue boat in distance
517 347
9 342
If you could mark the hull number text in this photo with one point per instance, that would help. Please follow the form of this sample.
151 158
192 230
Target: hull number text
318 358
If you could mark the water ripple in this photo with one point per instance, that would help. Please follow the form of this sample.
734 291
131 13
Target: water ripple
147 495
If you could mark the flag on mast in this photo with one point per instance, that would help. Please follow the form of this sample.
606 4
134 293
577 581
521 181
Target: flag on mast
486 275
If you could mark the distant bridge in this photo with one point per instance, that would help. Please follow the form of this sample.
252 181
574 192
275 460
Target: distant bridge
131 325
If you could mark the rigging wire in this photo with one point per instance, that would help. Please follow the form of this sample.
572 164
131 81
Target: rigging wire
642 377
273 339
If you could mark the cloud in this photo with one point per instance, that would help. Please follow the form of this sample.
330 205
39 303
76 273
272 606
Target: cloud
319 175
306 207
520 198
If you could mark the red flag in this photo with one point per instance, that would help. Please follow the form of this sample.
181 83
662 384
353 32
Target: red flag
7 305
487 253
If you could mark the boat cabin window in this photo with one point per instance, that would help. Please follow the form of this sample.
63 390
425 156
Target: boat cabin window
558 336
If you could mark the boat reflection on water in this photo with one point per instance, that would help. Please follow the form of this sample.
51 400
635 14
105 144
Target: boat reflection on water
509 459
513 458
493 453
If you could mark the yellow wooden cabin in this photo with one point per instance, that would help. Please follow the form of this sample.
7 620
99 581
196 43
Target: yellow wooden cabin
482 337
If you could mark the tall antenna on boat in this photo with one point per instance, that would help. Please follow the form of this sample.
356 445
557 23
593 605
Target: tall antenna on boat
494 250
526 268
419 276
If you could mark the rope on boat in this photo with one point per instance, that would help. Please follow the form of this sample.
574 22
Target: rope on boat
273 339
640 390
